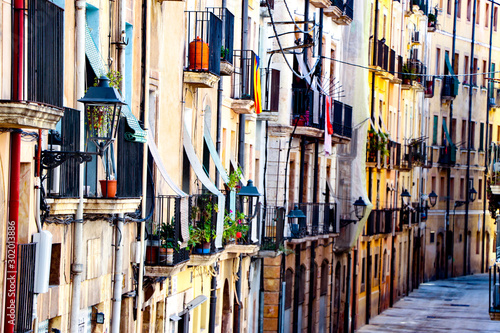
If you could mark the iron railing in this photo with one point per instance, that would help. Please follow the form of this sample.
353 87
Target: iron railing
251 221
494 288
308 108
342 119
203 42
392 61
273 228
243 76
320 219
203 222
447 155
169 223
45 56
379 222
25 289
228 36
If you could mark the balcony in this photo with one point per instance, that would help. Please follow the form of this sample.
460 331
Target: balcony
35 106
379 222
273 226
241 232
415 38
226 57
203 49
342 122
447 155
450 88
307 112
377 151
340 12
429 87
166 248
242 92
413 72
420 5
494 291
320 3
320 220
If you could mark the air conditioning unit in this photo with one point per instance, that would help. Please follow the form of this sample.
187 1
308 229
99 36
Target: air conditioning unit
43 254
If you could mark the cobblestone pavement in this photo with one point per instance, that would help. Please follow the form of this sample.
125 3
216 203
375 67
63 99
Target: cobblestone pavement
453 305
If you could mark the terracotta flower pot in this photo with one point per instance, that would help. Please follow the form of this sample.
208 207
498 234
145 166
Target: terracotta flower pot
108 188
198 54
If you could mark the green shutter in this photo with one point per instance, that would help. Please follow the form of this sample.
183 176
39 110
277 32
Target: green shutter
481 137
435 131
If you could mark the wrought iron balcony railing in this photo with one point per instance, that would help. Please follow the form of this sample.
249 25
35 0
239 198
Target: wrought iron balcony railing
273 228
167 230
203 42
379 222
321 219
203 223
342 119
307 108
243 76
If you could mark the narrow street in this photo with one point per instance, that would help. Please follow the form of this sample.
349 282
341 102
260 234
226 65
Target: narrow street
455 305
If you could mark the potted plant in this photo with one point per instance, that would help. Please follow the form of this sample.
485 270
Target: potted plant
408 74
168 243
431 20
201 233
235 228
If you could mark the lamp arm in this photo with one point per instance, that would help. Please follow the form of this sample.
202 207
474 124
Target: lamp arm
257 208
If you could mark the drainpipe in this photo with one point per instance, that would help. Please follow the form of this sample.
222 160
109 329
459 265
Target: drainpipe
311 284
354 286
15 172
448 169
302 171
368 282
244 46
118 278
469 130
486 139
146 57
296 287
77 266
347 295
332 306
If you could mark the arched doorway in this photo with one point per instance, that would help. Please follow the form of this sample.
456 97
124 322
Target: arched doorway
336 301
226 309
440 256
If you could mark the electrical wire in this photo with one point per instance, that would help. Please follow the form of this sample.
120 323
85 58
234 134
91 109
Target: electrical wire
295 23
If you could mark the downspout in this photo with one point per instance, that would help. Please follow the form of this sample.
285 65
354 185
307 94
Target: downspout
312 276
354 286
302 169
296 290
348 295
77 266
118 278
242 118
370 169
469 130
487 142
448 169
368 281
145 102
332 306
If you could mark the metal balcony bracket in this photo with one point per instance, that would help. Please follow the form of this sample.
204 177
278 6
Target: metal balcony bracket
52 159
345 223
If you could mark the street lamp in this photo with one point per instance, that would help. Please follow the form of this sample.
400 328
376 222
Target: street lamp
294 217
359 208
472 194
433 198
102 111
405 196
247 194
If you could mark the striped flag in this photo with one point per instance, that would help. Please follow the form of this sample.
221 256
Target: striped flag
256 86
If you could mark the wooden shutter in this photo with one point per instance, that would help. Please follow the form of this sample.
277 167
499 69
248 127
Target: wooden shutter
481 137
275 90
435 130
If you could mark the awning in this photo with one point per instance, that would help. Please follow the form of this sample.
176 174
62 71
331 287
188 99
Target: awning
184 209
383 126
450 67
134 132
445 128
92 52
202 176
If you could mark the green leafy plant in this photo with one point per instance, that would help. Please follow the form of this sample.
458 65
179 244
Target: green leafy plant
285 250
201 216
408 72
234 228
167 235
234 179
224 52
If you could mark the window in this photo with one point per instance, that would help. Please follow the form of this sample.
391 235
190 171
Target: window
442 188
446 56
485 77
464 131
480 190
452 188
289 288
438 60
486 15
455 65
459 8
498 133
466 69
375 267
324 278
363 270
478 11
495 18
453 130
472 134
433 183
478 242
301 284
481 137
443 134
55 265
448 7
469 9
474 71
435 131
462 188
432 237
